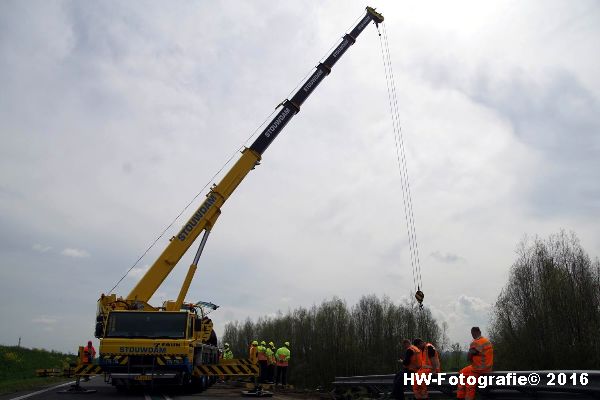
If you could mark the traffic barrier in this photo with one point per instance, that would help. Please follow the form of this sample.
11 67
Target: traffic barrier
548 382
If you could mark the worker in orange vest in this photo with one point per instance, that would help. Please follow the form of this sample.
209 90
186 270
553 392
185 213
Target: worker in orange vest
262 361
89 353
282 357
253 357
87 356
430 363
411 363
270 352
481 357
253 352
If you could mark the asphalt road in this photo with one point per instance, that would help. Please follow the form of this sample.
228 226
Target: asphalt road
108 392
218 392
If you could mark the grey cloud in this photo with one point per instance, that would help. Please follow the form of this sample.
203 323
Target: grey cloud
559 119
555 115
41 248
473 310
463 313
448 258
75 253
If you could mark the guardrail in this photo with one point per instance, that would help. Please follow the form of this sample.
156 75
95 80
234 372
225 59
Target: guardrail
584 383
46 372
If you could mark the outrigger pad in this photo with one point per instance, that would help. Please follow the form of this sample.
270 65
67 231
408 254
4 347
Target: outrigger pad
257 393
77 389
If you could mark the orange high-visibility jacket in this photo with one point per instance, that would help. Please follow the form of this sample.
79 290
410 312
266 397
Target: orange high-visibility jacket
89 353
427 362
415 360
483 357
282 356
262 356
270 356
252 354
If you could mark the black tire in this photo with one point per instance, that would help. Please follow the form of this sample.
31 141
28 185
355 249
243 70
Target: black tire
196 385
120 385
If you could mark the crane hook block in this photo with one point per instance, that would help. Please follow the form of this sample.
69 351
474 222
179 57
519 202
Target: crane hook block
420 296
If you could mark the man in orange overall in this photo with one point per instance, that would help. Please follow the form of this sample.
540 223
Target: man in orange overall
253 352
253 357
430 363
410 366
481 357
89 353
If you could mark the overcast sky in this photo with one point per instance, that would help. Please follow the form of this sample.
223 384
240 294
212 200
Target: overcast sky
113 115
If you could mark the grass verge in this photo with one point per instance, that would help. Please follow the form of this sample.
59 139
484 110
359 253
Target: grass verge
16 385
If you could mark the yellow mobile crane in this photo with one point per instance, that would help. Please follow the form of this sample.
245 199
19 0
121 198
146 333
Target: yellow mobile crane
175 343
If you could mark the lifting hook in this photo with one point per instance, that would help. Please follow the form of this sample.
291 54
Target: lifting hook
420 296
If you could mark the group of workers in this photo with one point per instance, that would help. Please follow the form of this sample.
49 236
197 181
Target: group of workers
422 358
267 358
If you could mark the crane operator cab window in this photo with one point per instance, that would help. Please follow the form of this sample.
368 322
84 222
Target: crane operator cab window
151 325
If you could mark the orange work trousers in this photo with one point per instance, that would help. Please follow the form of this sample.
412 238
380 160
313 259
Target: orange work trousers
465 391
420 390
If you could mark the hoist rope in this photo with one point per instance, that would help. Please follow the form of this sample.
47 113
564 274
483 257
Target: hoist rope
401 160
398 159
401 139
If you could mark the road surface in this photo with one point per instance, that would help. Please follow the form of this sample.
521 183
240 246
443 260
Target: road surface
108 392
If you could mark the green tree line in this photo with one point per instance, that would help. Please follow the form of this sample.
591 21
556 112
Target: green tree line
546 317
548 314
333 339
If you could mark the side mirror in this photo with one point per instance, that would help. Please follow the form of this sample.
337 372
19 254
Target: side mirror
99 329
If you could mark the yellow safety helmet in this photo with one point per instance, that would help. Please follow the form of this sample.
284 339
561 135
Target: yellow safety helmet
226 345
254 343
287 344
263 343
271 344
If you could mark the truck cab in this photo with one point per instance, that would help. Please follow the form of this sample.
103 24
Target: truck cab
140 347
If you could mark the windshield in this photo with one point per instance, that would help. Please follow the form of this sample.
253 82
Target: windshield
140 324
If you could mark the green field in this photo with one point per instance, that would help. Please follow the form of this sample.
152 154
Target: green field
18 365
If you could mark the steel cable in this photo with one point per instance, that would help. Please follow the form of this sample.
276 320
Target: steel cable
403 152
401 160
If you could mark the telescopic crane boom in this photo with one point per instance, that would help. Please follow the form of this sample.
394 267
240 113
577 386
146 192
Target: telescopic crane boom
207 214
175 343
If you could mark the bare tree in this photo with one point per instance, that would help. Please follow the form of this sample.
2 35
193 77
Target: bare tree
548 315
334 340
